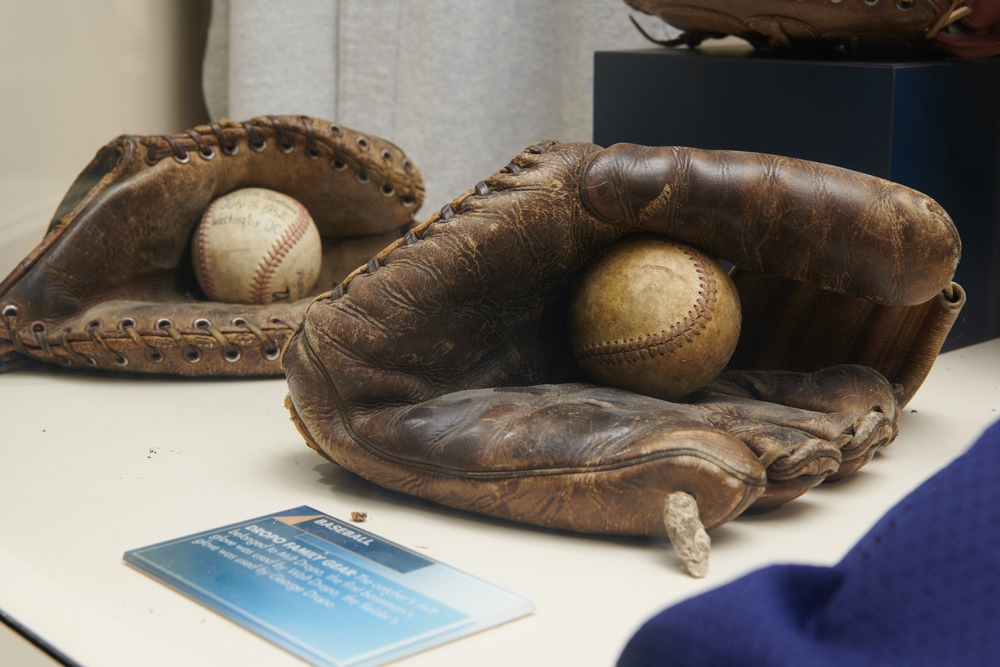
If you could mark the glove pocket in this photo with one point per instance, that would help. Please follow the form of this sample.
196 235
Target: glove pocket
794 326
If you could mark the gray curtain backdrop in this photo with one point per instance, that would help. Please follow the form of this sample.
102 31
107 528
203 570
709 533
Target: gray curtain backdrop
460 85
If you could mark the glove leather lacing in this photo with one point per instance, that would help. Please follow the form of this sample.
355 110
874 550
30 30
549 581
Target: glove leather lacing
953 14
412 236
61 349
364 163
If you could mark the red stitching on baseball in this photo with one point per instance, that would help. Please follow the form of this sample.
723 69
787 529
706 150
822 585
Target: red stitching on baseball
262 279
207 279
680 333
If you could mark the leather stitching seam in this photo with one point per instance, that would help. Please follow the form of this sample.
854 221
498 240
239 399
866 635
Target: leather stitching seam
265 271
666 341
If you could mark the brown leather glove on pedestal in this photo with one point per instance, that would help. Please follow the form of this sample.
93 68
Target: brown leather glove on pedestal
111 284
442 368
862 27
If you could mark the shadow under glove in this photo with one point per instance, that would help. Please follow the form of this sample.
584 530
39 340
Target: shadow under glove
921 588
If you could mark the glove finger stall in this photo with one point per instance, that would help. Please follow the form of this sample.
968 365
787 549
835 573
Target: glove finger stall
805 427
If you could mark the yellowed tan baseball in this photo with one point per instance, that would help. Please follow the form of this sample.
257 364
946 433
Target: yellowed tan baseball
654 316
256 246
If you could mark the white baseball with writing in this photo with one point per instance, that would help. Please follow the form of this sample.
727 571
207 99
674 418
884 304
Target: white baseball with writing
256 246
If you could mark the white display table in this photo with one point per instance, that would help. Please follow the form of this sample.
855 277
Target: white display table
92 465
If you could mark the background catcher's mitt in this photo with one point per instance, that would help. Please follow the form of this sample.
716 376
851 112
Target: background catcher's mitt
861 26
111 284
442 367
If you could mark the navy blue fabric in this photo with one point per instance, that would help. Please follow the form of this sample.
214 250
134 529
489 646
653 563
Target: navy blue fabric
922 587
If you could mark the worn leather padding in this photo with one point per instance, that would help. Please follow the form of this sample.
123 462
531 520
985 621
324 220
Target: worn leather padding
604 456
442 367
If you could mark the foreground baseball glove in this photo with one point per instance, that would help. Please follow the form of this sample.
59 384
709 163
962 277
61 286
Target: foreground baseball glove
863 27
111 285
443 369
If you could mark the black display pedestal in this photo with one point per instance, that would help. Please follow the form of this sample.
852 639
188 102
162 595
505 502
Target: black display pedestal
934 126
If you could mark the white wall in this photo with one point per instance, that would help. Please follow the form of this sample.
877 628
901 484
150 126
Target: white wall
73 75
